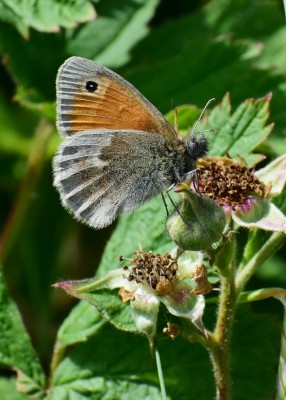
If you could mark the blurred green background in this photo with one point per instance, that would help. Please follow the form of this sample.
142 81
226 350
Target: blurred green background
174 52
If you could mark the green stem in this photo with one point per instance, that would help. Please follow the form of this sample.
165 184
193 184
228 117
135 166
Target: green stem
281 381
276 240
221 339
160 374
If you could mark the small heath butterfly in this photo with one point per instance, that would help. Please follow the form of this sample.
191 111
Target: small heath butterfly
118 150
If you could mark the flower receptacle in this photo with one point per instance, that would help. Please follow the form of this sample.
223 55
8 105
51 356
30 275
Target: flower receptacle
197 223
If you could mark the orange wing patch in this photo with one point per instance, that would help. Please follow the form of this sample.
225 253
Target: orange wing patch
111 106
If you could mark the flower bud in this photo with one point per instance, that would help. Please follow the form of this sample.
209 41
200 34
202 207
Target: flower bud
197 222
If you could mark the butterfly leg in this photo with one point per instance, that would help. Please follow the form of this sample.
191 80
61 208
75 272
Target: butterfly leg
189 225
165 204
195 173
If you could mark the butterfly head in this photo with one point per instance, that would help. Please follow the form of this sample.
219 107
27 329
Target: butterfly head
196 143
197 146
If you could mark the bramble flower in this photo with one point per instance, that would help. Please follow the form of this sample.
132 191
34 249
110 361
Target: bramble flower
243 194
148 280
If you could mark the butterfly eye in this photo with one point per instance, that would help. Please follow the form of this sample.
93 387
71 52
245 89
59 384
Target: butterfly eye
91 86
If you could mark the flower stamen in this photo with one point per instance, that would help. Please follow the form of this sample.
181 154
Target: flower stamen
154 270
229 183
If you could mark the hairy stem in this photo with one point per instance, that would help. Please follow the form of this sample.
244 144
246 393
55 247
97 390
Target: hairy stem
281 380
221 339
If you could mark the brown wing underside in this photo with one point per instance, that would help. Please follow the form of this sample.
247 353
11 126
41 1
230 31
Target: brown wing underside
115 104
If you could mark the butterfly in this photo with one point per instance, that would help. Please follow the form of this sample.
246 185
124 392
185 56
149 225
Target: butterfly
118 150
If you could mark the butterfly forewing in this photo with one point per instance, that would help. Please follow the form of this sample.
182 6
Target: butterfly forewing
90 96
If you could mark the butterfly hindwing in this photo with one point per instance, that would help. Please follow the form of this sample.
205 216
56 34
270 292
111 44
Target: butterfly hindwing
102 173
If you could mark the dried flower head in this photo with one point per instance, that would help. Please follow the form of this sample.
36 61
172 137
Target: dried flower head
200 277
230 183
172 330
158 271
125 295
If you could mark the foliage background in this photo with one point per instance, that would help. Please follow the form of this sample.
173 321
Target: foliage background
182 53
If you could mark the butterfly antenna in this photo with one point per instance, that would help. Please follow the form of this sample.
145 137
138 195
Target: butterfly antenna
176 123
200 117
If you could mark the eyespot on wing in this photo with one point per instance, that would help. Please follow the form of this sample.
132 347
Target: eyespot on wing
90 96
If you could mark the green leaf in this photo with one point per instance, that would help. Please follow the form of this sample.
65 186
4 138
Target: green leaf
83 322
243 131
123 24
28 64
115 365
239 133
16 351
8 390
112 308
245 21
219 116
101 389
106 301
45 15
